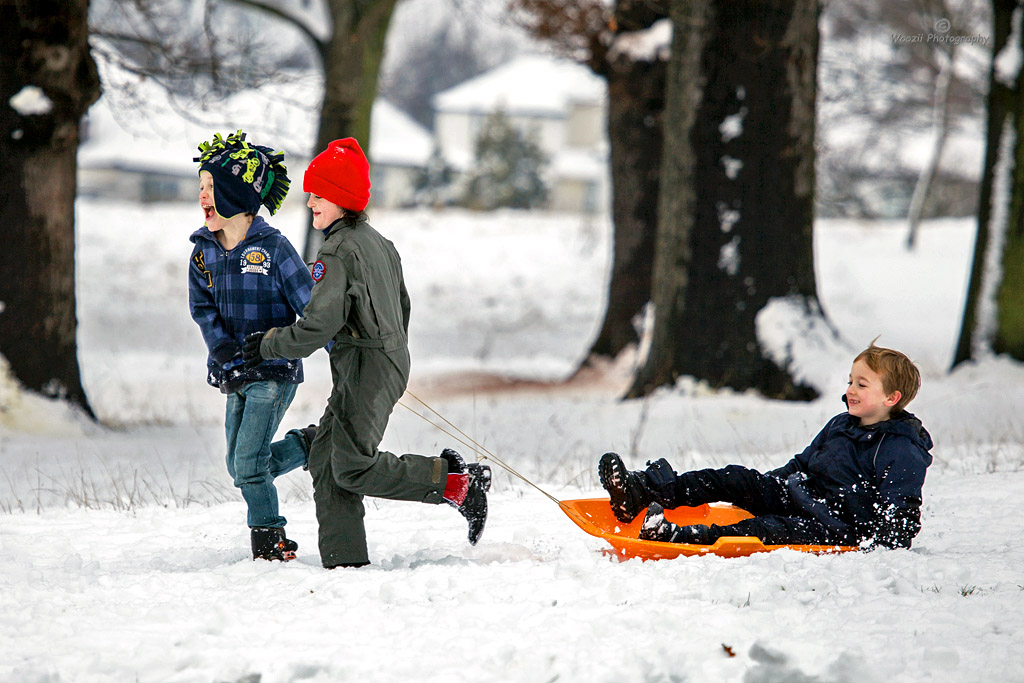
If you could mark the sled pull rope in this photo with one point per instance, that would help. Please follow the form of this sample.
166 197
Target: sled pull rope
472 444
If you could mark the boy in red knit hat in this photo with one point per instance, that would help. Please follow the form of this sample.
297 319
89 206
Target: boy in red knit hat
360 303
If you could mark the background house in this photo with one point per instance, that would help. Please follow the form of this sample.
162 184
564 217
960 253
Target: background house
558 103
123 156
147 157
400 150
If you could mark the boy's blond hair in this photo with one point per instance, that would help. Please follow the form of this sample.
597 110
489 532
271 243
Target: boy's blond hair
897 371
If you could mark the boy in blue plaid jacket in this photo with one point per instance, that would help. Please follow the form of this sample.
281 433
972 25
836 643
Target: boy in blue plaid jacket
245 277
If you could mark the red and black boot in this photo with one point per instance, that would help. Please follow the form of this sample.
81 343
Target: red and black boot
466 491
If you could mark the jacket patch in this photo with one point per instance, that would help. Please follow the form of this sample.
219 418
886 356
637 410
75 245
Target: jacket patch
319 270
200 260
255 260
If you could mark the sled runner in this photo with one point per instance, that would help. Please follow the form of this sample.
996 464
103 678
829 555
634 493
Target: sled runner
594 515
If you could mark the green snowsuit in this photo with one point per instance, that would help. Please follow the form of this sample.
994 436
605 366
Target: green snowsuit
360 302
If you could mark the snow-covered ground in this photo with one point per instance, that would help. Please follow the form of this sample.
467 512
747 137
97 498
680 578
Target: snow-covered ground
124 552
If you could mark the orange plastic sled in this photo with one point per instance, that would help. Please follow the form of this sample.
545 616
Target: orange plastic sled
594 515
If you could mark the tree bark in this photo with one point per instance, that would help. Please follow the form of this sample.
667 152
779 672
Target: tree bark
735 216
351 62
993 320
636 103
636 100
43 47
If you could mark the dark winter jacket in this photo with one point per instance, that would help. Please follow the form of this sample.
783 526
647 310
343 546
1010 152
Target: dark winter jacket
864 482
359 299
260 284
359 302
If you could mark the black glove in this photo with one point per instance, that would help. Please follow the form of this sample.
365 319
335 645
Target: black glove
224 353
251 349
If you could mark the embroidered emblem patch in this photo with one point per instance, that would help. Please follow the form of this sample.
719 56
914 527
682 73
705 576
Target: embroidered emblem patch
318 271
255 260
200 260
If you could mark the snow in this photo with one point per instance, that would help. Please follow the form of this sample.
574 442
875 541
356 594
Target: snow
124 553
732 126
729 254
727 218
732 166
647 45
795 335
963 151
31 101
999 216
1007 62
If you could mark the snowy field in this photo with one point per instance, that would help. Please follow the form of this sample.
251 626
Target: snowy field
124 553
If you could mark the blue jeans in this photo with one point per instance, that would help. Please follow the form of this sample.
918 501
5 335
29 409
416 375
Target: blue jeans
253 416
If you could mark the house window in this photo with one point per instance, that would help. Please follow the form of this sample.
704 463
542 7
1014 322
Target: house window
158 188
591 195
378 194
585 125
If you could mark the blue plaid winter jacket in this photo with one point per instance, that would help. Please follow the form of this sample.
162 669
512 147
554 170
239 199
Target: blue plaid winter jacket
260 284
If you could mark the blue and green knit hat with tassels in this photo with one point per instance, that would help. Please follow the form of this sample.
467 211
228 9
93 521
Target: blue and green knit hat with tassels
244 175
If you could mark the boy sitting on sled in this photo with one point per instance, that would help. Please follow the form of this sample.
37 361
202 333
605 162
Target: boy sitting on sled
857 483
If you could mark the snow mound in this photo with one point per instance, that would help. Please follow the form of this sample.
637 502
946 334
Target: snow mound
28 412
795 335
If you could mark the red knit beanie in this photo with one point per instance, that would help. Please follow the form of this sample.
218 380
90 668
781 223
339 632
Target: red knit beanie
340 174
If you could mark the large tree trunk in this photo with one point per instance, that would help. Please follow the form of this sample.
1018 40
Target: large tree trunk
993 318
636 100
636 103
43 47
351 61
736 207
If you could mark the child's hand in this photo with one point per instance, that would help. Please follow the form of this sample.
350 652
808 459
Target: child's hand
225 353
251 349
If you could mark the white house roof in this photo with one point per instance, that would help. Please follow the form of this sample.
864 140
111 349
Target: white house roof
156 137
160 140
536 84
131 142
397 139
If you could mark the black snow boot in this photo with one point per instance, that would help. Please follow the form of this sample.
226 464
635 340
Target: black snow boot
474 506
627 490
269 543
657 528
